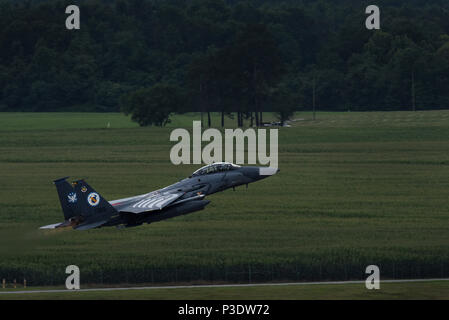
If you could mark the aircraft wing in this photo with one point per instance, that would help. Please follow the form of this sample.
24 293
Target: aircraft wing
153 201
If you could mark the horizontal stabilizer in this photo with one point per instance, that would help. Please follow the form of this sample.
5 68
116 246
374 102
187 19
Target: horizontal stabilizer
51 226
67 223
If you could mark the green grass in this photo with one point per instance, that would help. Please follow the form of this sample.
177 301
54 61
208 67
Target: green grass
354 189
418 290
13 121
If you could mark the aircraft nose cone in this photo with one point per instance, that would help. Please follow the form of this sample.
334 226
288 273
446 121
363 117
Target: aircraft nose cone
258 173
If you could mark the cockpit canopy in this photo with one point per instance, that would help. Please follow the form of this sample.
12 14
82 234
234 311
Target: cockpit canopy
215 167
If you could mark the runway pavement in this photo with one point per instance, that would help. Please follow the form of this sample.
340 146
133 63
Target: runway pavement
221 286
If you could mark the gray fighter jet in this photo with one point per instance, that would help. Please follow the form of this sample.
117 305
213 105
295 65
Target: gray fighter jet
85 209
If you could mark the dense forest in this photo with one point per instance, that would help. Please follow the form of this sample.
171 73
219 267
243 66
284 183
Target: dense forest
228 56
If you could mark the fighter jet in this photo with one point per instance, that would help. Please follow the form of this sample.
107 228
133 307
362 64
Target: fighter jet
85 209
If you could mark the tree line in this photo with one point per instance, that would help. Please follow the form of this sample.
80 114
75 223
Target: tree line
154 58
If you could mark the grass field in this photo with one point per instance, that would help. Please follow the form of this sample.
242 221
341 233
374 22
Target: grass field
354 189
417 290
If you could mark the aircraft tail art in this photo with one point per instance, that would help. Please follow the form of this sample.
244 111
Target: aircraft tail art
67 197
83 207
91 203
